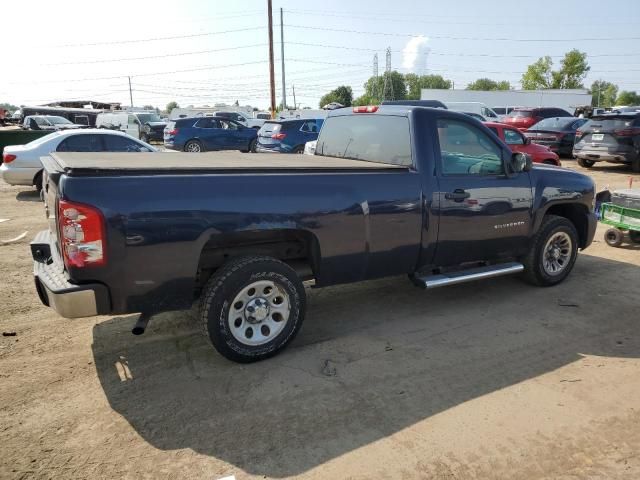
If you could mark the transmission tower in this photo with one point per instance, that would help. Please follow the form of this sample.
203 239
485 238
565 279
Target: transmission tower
387 89
375 74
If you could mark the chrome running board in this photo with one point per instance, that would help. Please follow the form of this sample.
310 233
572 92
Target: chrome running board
469 275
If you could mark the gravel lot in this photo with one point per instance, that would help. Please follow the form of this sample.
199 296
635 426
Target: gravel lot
495 379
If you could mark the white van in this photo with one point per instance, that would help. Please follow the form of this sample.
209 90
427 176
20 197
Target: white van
145 125
478 108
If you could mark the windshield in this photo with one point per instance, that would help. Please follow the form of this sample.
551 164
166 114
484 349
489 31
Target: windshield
609 124
148 117
557 123
372 138
59 121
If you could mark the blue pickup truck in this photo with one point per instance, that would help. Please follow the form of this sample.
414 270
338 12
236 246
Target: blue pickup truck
391 190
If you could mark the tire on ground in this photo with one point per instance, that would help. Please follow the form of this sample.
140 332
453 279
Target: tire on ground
613 237
193 146
583 162
225 285
534 270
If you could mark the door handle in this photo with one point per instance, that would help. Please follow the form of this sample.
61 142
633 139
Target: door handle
457 195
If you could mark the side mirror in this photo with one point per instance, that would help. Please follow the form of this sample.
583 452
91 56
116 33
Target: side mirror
521 162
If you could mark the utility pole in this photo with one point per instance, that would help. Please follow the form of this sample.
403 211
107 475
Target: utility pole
599 89
130 92
295 105
272 74
284 88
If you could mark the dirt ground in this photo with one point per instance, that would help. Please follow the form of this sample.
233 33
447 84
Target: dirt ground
490 380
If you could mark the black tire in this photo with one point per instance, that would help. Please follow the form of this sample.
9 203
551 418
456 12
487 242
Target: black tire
583 162
634 236
299 149
613 237
549 161
193 146
252 145
144 137
37 181
534 269
222 290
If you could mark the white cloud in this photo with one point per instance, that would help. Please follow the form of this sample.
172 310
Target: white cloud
414 53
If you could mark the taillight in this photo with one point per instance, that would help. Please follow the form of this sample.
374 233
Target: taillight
279 136
579 134
173 132
8 157
626 132
82 234
365 109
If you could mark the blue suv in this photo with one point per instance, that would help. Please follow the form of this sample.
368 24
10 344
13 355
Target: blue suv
287 136
203 134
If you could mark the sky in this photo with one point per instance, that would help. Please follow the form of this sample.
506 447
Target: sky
198 52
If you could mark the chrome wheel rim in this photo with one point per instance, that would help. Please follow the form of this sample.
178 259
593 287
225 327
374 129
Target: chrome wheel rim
557 253
193 147
258 313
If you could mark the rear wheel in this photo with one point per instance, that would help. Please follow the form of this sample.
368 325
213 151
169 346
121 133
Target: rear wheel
298 149
193 146
613 237
252 145
37 181
553 252
634 235
252 308
583 162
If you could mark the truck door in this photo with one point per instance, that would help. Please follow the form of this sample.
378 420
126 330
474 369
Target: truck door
132 127
483 213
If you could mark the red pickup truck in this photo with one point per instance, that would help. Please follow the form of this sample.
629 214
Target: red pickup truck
517 142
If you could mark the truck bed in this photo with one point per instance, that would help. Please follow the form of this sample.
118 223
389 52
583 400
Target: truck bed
172 162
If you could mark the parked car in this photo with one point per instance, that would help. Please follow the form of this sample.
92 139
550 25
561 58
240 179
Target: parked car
48 122
477 108
613 138
21 163
287 136
310 147
557 133
417 103
145 125
201 134
502 112
524 118
517 142
449 205
242 118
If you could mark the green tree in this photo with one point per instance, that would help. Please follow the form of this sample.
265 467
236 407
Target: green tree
8 106
628 98
342 95
572 72
538 74
171 106
603 93
374 89
415 84
488 84
149 107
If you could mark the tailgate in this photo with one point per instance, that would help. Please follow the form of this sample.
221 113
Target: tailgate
50 178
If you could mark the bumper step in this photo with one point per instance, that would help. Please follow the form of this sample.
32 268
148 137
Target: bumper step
469 275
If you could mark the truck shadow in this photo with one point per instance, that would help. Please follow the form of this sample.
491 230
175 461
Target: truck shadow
371 360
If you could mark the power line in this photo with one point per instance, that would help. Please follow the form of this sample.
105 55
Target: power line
446 37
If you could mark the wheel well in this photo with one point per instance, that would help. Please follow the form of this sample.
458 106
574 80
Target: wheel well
577 214
35 177
298 248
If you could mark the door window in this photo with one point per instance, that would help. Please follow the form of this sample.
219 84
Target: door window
207 122
309 126
512 137
119 143
132 120
81 143
466 150
228 125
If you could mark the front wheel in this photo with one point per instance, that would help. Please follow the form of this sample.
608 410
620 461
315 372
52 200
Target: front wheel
553 252
583 162
144 137
252 308
613 237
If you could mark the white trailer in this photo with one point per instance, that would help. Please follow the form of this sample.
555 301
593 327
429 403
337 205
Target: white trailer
568 100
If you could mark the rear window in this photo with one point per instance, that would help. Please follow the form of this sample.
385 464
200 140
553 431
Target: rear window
500 110
269 128
610 123
554 123
372 138
521 113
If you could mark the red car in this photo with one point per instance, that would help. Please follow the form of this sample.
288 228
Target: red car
524 118
519 143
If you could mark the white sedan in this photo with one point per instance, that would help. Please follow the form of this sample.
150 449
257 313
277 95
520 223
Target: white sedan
21 163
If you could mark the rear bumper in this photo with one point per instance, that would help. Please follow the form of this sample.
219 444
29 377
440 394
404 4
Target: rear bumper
67 299
18 176
620 156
